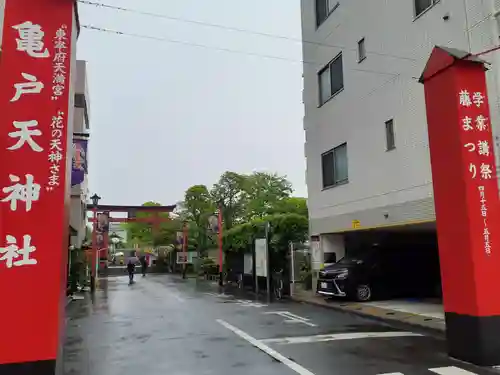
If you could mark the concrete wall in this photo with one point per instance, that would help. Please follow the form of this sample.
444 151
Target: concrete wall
79 193
77 220
81 87
333 243
395 187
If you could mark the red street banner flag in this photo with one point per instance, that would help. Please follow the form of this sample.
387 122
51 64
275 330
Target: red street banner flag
35 83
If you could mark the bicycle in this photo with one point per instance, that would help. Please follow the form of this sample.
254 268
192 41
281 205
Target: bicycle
278 285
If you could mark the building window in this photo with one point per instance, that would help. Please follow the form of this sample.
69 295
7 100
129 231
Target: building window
323 9
361 50
334 166
331 79
79 101
422 5
389 135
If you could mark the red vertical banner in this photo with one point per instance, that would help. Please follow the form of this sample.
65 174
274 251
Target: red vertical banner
34 175
466 202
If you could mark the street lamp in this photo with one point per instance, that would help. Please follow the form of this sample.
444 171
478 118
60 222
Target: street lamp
95 201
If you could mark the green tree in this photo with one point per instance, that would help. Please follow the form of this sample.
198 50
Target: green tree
264 191
198 207
198 204
168 232
291 205
285 228
229 193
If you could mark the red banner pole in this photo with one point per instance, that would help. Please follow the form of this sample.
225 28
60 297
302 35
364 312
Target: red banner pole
466 202
36 129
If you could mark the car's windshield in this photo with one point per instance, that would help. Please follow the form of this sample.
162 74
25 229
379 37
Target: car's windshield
359 258
346 260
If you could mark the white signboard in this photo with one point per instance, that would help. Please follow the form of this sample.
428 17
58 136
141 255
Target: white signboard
186 258
317 255
261 257
248 264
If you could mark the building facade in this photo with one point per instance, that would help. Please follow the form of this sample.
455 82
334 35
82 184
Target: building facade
367 151
81 132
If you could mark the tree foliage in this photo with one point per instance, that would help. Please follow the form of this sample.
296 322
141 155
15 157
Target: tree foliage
291 205
284 228
198 206
263 191
230 194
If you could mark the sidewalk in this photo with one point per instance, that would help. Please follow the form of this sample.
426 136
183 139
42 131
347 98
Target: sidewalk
429 321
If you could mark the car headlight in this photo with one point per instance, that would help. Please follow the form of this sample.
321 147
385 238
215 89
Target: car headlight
343 275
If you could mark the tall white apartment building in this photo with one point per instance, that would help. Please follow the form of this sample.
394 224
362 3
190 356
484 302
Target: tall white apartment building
367 150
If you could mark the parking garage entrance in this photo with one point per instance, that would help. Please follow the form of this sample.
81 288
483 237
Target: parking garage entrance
395 268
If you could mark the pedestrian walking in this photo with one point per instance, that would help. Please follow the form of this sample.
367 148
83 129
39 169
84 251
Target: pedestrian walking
131 271
144 266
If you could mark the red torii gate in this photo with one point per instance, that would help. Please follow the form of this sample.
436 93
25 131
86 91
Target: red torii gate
155 220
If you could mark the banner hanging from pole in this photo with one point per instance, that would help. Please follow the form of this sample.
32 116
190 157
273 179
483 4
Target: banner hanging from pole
79 161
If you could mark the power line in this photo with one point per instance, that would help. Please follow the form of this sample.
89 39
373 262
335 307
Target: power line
223 49
236 29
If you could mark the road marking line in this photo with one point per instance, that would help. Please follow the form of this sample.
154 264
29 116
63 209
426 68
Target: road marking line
291 318
452 370
248 303
393 373
296 316
338 336
266 349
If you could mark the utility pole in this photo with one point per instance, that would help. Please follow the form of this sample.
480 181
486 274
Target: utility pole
268 262
221 257
184 249
94 263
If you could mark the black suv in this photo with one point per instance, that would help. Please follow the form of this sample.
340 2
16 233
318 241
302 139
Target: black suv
383 272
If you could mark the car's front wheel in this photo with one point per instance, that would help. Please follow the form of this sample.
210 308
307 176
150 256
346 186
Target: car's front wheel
363 293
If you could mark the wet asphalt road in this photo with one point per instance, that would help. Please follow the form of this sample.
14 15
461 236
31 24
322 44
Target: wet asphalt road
163 325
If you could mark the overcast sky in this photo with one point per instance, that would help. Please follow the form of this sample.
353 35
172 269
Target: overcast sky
166 116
